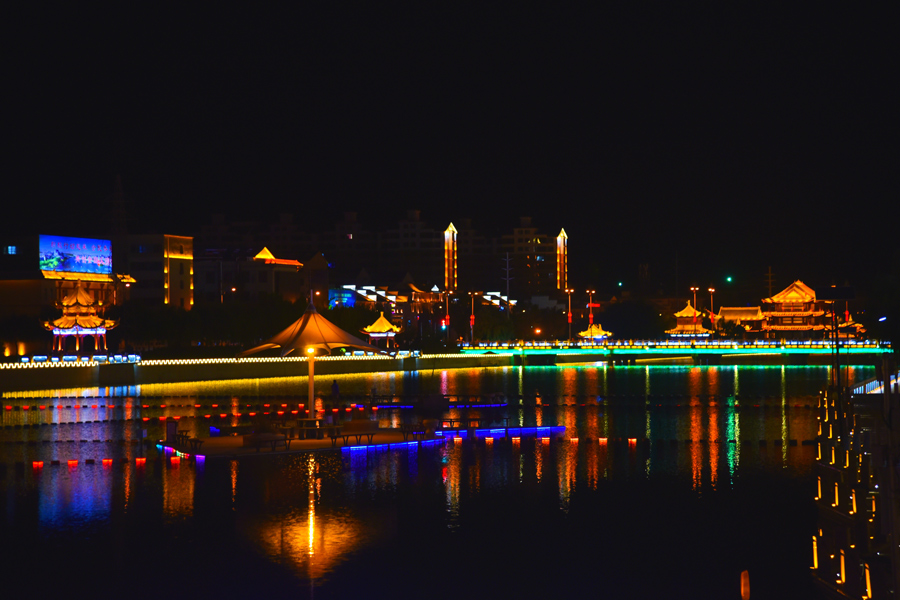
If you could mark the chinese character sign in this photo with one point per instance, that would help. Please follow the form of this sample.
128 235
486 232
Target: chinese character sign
75 255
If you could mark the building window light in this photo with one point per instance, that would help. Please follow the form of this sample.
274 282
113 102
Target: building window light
11 250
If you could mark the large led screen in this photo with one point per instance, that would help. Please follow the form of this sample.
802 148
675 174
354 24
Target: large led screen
75 255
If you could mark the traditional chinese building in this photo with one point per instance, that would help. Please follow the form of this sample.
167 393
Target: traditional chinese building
595 333
795 312
689 323
749 318
80 319
382 329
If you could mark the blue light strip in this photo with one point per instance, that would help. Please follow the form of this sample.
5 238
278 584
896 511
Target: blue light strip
503 432
394 446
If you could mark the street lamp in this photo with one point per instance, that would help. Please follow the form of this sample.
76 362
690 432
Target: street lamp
472 320
448 316
712 316
311 352
591 306
569 292
694 321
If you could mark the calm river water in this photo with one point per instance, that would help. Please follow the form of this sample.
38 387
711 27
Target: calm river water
667 483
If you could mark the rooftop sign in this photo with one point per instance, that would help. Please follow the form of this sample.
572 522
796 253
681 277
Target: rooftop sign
75 255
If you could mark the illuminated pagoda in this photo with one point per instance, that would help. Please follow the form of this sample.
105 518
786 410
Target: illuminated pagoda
382 329
795 310
595 333
689 323
79 319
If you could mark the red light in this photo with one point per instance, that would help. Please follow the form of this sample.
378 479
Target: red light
93 406
266 405
207 416
362 408
42 407
196 406
293 412
374 408
602 440
72 463
145 418
176 418
60 406
348 409
280 412
175 460
140 461
284 406
215 406
145 406
162 418
334 410
252 414
38 464
107 462
223 415
162 405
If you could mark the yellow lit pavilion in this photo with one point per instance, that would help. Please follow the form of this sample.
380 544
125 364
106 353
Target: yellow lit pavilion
381 328
79 319
595 332
689 323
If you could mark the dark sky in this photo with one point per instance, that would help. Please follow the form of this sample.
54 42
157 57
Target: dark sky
735 139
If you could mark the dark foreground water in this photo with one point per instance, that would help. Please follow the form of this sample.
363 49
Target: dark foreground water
710 486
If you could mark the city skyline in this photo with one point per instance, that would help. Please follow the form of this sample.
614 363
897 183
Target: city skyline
735 140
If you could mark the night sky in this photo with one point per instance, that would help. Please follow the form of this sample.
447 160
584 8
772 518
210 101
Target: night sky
732 139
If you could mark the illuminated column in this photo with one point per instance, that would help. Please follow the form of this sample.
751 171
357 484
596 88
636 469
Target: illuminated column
450 258
311 353
562 260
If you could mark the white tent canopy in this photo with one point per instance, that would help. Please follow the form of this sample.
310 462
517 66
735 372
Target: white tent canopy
312 330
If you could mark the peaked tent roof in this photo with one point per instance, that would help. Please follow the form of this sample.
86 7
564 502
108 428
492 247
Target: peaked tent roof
312 330
382 325
796 292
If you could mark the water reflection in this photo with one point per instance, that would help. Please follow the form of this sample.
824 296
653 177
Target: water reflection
681 430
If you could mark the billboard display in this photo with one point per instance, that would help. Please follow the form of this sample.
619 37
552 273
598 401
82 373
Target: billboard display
75 255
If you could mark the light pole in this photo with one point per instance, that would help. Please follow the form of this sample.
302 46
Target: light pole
591 306
311 353
569 292
712 316
472 320
448 316
694 319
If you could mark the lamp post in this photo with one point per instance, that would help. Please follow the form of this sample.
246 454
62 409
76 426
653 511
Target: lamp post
569 292
448 316
712 316
591 306
694 319
472 320
311 353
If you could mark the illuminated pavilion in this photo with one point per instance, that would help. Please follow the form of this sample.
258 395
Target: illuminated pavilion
595 333
689 323
382 329
79 319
